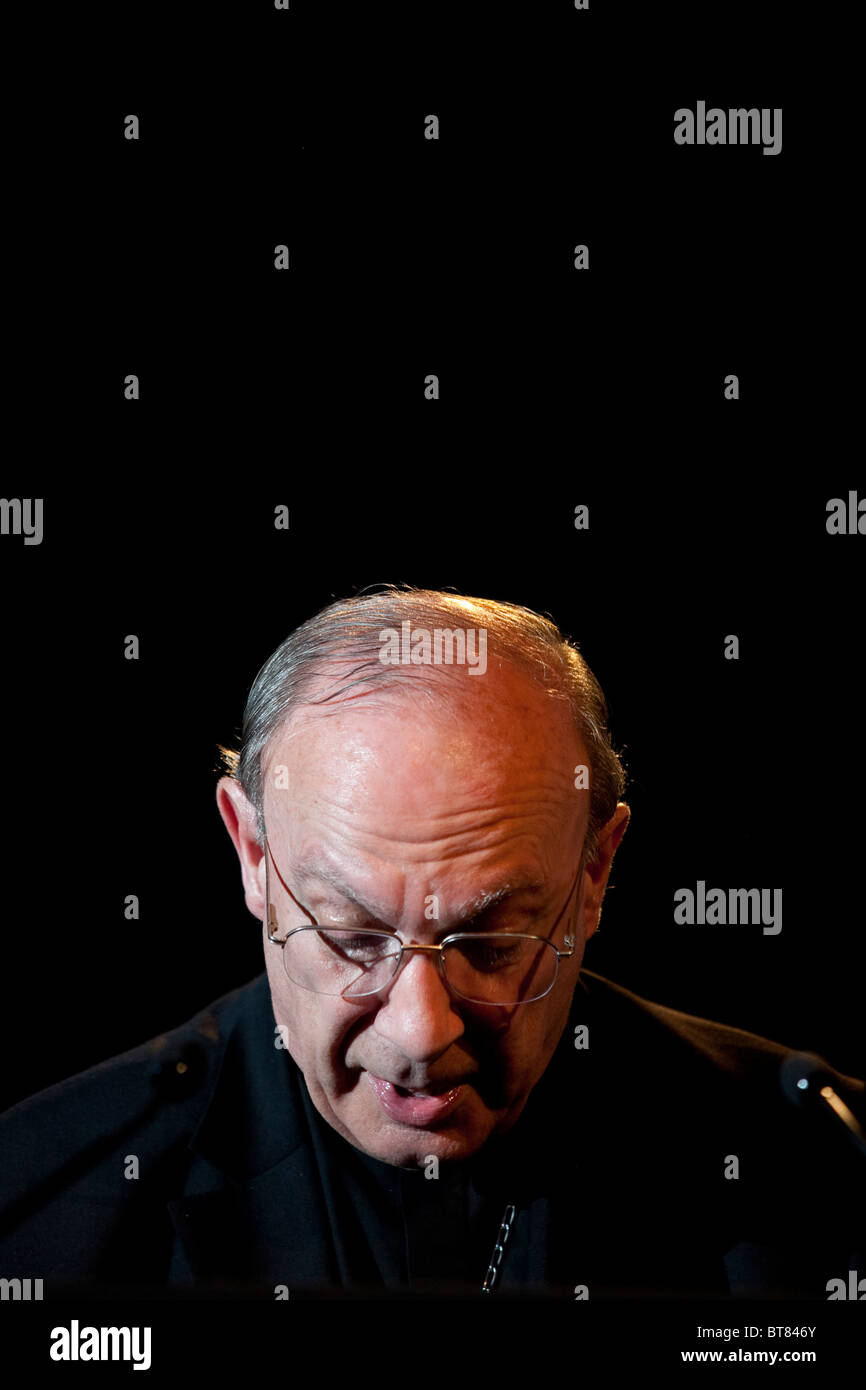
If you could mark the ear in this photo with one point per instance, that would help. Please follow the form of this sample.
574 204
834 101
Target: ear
596 875
239 818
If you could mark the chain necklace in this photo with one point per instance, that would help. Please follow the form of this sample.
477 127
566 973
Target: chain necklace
493 1268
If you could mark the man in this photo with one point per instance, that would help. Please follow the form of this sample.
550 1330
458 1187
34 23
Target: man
425 1094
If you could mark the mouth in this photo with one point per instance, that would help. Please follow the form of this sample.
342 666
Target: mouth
417 1108
429 1092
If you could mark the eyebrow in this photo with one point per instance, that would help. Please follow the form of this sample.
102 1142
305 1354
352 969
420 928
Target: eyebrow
467 911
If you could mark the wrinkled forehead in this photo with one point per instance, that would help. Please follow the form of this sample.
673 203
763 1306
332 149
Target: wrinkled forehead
430 750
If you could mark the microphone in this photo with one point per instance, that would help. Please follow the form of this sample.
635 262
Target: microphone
805 1079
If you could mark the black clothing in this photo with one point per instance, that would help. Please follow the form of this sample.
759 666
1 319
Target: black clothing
616 1170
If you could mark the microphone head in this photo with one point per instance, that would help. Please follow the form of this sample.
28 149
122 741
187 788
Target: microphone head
801 1076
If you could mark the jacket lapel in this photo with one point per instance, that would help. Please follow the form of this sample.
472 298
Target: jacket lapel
253 1211
271 1230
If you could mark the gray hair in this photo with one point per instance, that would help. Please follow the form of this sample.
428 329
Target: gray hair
346 635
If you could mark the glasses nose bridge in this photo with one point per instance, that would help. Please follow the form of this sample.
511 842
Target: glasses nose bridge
437 951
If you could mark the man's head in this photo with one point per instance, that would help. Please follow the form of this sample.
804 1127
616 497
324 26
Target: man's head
389 792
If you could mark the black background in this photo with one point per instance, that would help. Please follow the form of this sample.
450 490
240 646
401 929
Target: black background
306 388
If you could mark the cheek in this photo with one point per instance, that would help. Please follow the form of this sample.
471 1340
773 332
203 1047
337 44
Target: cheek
318 1035
295 1025
538 1041
557 1017
508 1057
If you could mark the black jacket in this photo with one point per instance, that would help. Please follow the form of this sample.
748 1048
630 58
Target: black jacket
616 1172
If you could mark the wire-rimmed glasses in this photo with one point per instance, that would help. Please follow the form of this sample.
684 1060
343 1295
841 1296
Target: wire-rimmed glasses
494 968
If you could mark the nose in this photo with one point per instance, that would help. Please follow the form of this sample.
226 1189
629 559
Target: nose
419 1015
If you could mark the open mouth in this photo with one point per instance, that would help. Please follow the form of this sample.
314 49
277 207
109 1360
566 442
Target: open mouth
428 1095
416 1108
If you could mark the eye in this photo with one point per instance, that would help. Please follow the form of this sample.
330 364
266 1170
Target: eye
492 955
358 946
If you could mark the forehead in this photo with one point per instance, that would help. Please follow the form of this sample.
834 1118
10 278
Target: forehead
470 796
499 736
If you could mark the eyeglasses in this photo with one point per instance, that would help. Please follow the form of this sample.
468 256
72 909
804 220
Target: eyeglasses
498 968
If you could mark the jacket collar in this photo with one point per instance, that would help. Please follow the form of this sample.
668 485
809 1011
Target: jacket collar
257 1170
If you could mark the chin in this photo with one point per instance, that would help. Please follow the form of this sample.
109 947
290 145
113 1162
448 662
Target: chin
455 1139
415 1149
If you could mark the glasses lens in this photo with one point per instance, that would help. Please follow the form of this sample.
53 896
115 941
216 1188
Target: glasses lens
500 968
340 961
488 968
